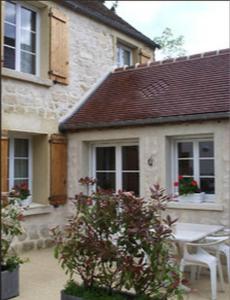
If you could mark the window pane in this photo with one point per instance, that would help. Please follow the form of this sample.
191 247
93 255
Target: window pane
9 35
206 149
185 149
186 167
105 158
106 181
10 12
21 148
28 41
207 167
21 168
207 185
130 158
20 181
126 57
9 58
131 182
27 63
28 19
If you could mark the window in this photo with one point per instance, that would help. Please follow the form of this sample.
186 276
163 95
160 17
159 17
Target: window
124 55
20 162
20 38
195 159
117 167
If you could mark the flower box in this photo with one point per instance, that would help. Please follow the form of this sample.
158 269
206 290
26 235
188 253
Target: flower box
192 198
9 284
26 202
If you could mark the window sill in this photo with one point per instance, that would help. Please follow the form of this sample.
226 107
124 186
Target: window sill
26 77
196 206
37 209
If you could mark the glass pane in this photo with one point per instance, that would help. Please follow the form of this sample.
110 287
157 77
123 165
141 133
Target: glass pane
21 169
186 167
21 148
10 12
106 181
28 41
130 159
28 19
206 149
9 35
20 181
207 167
207 185
131 182
185 149
105 158
27 63
126 57
9 58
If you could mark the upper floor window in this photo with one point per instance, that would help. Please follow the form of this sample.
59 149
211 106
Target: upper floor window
117 167
124 55
20 38
195 159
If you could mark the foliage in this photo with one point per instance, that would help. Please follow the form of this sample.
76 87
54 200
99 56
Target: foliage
20 191
170 46
11 226
120 241
186 185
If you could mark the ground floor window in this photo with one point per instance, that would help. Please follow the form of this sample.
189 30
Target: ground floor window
116 167
20 162
194 158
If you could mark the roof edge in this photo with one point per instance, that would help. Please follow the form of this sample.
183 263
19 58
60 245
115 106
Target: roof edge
149 121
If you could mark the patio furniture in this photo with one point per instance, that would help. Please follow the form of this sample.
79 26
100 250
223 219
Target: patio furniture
204 259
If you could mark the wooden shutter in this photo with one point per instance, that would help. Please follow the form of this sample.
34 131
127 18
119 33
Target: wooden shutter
144 57
58 169
2 33
4 162
59 53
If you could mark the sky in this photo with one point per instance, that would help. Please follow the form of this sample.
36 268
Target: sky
204 24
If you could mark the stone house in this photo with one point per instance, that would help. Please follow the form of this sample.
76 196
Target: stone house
53 53
154 122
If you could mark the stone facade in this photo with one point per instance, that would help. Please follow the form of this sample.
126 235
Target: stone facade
154 142
34 105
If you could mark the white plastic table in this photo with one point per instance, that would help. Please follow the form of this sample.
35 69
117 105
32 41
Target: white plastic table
189 232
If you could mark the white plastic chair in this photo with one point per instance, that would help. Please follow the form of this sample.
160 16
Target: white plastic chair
204 259
223 249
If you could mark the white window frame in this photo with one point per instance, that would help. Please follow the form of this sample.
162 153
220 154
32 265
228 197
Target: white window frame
174 160
118 161
12 157
18 37
120 49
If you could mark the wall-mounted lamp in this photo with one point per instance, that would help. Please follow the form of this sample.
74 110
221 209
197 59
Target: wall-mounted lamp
150 161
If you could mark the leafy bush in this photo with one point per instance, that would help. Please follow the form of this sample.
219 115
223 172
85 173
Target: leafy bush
120 242
11 226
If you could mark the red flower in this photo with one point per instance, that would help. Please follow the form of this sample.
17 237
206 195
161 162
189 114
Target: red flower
176 183
194 183
181 177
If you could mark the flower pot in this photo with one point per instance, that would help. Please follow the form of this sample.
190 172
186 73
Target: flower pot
9 284
192 198
26 202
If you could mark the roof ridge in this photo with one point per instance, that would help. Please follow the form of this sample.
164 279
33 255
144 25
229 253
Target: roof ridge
151 63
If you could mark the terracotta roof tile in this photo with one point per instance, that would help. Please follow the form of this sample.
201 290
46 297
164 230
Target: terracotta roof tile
196 86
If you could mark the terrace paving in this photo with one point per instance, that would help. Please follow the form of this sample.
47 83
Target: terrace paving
42 279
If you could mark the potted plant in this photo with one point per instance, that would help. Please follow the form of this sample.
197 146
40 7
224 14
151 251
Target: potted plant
22 194
188 190
11 217
116 243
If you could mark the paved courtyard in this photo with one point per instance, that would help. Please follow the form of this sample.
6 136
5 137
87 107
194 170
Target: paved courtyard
42 279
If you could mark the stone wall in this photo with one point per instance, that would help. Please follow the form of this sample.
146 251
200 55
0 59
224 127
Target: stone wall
154 142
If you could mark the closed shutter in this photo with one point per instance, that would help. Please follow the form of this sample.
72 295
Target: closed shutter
59 53
4 163
144 57
58 168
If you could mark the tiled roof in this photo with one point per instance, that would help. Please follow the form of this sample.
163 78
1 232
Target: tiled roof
97 10
191 88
